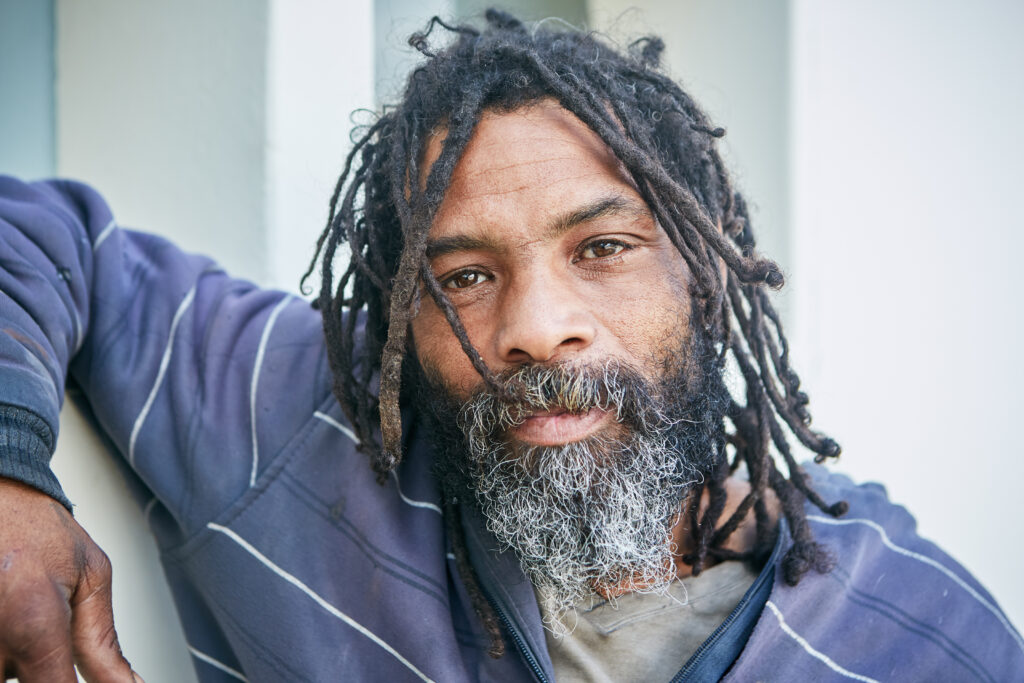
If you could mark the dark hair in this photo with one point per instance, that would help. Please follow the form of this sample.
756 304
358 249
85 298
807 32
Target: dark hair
669 147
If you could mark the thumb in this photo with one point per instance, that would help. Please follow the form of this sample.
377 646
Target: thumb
94 641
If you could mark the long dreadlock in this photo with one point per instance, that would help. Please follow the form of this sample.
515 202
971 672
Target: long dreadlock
668 146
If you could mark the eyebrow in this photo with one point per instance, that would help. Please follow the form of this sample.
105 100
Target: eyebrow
610 205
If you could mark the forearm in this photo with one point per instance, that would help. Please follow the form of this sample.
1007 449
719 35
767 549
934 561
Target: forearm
46 271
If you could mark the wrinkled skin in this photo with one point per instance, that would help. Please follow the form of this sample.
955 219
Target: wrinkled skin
55 610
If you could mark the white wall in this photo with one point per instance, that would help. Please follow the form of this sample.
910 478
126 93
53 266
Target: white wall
394 59
908 157
319 70
161 106
732 56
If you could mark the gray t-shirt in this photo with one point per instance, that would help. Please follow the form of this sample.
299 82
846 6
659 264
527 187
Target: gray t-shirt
645 636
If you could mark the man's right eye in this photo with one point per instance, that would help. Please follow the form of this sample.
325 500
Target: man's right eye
464 279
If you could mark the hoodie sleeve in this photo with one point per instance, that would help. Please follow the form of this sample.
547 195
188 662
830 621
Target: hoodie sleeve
197 378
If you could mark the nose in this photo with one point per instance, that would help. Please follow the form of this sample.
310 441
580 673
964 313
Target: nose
543 320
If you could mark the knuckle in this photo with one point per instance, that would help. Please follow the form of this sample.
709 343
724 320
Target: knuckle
98 564
96 574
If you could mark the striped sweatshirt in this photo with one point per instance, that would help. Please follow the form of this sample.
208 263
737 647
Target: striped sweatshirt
287 560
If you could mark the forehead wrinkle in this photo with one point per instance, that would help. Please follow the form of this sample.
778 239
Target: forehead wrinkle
526 185
472 184
521 162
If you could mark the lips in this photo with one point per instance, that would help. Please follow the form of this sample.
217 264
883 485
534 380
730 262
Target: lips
556 427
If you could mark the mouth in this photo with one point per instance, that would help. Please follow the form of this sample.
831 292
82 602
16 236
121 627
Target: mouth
559 426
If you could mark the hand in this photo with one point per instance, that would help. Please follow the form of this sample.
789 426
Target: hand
55 609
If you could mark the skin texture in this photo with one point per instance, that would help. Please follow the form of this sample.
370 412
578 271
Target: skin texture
549 254
533 277
55 609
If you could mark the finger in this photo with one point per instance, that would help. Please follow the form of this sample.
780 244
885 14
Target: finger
94 640
54 665
46 654
36 642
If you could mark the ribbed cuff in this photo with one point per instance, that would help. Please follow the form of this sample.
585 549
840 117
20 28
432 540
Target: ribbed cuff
26 444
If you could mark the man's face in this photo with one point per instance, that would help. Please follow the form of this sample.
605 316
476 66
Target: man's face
571 292
549 254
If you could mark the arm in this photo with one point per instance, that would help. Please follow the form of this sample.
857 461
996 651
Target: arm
164 345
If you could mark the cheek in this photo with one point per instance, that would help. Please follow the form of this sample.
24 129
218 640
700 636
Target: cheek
439 352
654 333
652 319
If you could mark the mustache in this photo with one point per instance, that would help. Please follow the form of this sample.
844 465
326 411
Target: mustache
570 387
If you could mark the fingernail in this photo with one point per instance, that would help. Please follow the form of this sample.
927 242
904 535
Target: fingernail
137 678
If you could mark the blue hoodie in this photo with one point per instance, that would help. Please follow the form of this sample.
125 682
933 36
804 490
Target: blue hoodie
288 561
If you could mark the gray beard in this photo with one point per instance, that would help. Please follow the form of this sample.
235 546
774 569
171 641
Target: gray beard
598 512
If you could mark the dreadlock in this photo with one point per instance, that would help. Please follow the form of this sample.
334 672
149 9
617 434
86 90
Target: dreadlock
668 146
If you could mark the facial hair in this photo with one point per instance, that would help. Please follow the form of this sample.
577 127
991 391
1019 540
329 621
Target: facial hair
597 512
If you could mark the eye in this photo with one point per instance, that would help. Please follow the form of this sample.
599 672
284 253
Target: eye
602 249
464 279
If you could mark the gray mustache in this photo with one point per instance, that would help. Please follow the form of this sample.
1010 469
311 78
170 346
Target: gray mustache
574 388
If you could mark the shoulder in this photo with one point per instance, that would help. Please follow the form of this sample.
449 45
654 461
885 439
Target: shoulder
894 607
872 524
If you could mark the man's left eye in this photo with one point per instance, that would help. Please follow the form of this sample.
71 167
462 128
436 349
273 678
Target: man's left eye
463 279
602 249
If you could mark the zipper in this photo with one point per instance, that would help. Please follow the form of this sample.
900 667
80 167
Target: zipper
520 643
528 656
697 656
767 575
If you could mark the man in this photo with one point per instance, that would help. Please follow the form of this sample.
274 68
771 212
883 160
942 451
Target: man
550 270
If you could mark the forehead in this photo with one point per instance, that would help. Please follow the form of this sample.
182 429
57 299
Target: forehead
526 165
